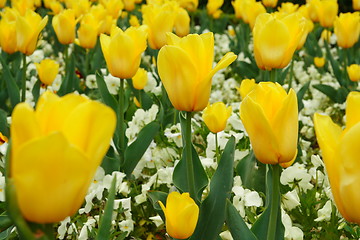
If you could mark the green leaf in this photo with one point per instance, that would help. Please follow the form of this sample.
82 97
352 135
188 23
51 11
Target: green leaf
335 66
336 95
260 227
136 150
4 127
105 220
110 164
155 197
36 90
107 98
5 222
67 85
300 95
212 209
11 85
237 226
252 173
283 75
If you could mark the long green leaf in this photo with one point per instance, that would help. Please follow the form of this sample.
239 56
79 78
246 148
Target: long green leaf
300 95
105 221
155 197
237 226
67 85
12 87
4 127
107 98
335 66
212 209
136 150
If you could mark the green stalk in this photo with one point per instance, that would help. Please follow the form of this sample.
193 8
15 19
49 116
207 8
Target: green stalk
217 148
188 152
121 122
275 202
23 81
86 70
291 74
273 75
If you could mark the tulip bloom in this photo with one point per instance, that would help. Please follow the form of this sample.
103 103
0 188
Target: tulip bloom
276 39
246 86
185 69
28 28
8 30
340 152
140 79
55 152
122 50
47 71
270 3
181 213
182 23
64 25
213 6
319 61
190 5
216 115
88 31
347 29
354 72
288 7
326 11
356 5
270 117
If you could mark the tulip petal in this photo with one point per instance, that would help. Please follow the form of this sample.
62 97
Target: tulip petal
352 109
262 137
285 125
223 63
49 191
178 79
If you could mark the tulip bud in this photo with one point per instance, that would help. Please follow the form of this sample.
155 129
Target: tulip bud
327 11
270 117
216 115
47 71
64 25
213 6
270 3
182 23
72 133
246 86
134 21
181 213
140 79
113 7
347 29
185 69
319 61
354 72
340 152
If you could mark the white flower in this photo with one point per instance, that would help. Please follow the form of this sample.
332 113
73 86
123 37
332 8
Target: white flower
173 133
56 83
291 232
252 199
90 223
63 228
156 220
226 235
127 225
324 213
90 81
290 200
112 83
296 175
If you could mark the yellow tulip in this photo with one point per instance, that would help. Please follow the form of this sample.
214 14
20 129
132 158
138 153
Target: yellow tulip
216 115
313 4
113 7
325 35
213 6
181 213
288 7
354 72
56 7
140 79
182 23
22 6
241 9
2 3
309 26
122 50
160 19
64 25
246 86
190 5
80 7
356 5
47 70
253 11
319 61
134 21
340 152
3 139
28 28
8 30
55 152
270 117
347 29
185 69
276 39
129 5
270 3
327 11
88 31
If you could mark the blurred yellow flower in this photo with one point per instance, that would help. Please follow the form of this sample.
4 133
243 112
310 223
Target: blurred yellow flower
88 31
270 117
288 7
354 72
326 11
134 21
122 50
347 29
190 5
8 30
216 115
113 7
319 61
356 5
340 152
270 3
140 79
182 23
213 6
55 151
246 86
64 25
47 70
185 69
276 38
28 28
181 213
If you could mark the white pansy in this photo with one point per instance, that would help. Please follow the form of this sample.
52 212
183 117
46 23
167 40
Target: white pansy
90 81
88 225
127 225
324 213
252 199
112 83
290 200
62 229
156 220
173 133
56 84
296 175
291 232
226 235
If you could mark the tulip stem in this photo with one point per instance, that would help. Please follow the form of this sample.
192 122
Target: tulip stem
23 93
189 161
291 74
273 75
217 148
275 202
121 122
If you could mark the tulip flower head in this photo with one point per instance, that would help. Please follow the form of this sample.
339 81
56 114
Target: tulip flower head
55 152
356 5
28 28
276 38
319 61
354 72
340 152
216 115
8 30
181 213
182 23
270 3
185 69
140 79
326 11
64 25
47 70
122 50
347 29
270 117
246 86
190 5
213 7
